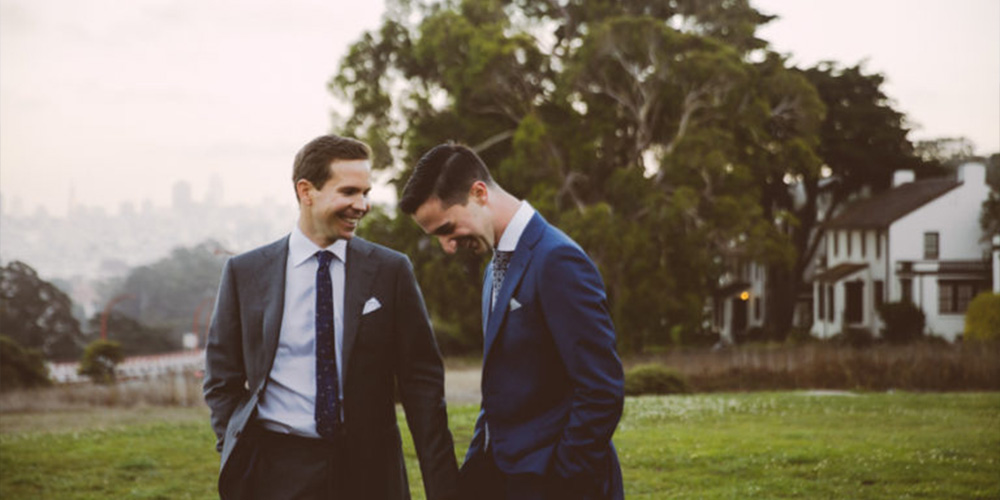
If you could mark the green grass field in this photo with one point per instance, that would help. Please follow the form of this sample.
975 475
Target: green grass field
748 445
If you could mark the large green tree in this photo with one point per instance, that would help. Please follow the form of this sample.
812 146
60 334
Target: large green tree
862 141
159 301
640 128
37 315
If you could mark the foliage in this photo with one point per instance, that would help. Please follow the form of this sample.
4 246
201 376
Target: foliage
136 338
36 314
886 445
162 298
654 379
857 338
641 130
904 321
21 368
982 318
861 141
100 359
989 218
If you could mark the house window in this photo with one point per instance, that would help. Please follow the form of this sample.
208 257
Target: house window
756 308
878 245
930 245
906 286
954 296
850 240
879 293
836 243
821 302
864 244
853 311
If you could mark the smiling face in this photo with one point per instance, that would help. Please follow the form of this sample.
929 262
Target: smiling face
466 225
333 211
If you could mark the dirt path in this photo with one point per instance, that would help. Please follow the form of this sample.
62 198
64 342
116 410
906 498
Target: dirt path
461 385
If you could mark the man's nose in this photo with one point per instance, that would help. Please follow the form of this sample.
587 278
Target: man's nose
361 203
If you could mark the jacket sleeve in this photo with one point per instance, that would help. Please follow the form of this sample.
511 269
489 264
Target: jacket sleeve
420 377
575 308
225 377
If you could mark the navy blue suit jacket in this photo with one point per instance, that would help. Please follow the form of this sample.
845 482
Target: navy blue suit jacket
553 387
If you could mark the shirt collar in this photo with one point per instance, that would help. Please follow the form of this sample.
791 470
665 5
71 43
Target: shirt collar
512 234
301 248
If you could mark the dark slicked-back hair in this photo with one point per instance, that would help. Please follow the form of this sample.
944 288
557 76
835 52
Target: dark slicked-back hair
312 162
446 172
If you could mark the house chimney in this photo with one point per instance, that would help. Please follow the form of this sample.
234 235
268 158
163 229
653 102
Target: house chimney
900 177
973 174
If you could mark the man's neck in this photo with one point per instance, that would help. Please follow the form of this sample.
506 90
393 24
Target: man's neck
505 206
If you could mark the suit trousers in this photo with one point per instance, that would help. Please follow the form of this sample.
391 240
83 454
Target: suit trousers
289 467
481 479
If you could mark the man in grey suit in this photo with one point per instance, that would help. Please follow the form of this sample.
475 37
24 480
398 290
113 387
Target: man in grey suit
311 336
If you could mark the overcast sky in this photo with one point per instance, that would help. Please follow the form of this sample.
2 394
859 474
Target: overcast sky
105 102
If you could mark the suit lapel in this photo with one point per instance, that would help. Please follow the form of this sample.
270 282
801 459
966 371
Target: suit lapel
271 282
487 293
515 272
358 281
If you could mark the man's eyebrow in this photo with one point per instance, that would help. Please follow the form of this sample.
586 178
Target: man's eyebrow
444 229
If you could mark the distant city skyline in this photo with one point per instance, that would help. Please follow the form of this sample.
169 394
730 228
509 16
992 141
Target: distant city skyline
105 103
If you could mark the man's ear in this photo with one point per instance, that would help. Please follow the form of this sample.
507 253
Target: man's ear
479 192
303 188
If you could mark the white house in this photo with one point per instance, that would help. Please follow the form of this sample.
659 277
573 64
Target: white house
739 302
919 241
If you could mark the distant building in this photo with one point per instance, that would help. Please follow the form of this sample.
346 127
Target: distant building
181 196
919 241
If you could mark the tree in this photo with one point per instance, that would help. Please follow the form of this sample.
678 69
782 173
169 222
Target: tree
100 359
21 368
862 141
989 218
36 314
136 338
637 127
164 297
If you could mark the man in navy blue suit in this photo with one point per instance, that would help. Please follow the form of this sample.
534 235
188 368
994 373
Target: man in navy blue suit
552 381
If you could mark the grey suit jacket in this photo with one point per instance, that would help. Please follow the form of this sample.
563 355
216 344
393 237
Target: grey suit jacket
391 347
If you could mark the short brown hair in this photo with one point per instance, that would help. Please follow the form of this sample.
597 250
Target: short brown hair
312 162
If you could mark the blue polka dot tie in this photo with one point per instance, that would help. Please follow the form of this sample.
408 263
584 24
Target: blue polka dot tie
327 390
501 260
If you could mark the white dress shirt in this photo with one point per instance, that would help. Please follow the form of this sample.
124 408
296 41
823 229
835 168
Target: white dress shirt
512 233
289 402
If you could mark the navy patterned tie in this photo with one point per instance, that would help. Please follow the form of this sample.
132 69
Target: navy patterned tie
327 390
500 262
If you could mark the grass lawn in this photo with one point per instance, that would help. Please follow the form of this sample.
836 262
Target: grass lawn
748 445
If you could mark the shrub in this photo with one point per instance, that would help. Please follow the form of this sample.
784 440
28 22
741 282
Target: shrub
654 379
854 337
982 319
904 321
100 359
20 367
799 334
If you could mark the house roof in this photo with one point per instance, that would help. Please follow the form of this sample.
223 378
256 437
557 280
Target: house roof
839 272
882 210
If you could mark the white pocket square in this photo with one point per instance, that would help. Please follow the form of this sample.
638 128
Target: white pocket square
514 304
372 305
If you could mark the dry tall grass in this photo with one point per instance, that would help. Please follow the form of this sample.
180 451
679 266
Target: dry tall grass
921 366
176 389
